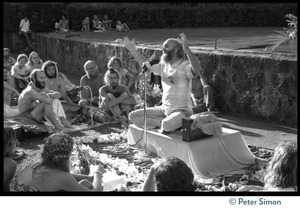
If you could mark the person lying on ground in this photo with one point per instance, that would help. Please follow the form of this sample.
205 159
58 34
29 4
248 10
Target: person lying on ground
10 143
97 24
126 78
116 98
92 80
170 175
176 74
37 102
86 24
52 172
107 23
34 61
121 27
21 72
202 95
281 172
24 29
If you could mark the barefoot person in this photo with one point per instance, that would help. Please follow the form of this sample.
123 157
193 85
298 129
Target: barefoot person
116 98
176 74
37 101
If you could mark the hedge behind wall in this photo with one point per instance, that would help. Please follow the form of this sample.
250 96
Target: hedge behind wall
149 15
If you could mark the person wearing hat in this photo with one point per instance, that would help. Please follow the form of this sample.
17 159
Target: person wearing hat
52 172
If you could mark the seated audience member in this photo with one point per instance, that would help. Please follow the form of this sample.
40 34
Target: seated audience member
86 24
21 72
92 80
202 95
8 89
281 172
97 24
37 101
52 172
63 25
54 82
71 89
116 98
34 61
8 60
121 27
107 23
10 144
170 175
24 29
126 78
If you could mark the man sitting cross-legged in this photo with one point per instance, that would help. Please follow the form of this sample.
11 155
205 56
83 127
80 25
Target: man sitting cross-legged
92 80
37 101
116 98
56 83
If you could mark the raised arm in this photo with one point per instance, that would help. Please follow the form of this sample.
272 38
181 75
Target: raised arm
130 45
196 66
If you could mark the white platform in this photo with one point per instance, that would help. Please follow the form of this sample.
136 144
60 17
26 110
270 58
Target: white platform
208 158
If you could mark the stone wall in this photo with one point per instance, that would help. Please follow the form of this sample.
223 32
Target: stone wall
256 86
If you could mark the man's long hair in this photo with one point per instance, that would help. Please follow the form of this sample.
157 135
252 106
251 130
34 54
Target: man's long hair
282 169
47 64
174 175
31 59
108 73
111 60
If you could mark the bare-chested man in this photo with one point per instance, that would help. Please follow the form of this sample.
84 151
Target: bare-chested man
116 99
93 80
36 101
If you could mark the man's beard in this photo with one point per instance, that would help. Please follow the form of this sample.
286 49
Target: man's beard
50 76
167 56
40 85
114 85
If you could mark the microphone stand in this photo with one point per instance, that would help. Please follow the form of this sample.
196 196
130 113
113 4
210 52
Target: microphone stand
145 153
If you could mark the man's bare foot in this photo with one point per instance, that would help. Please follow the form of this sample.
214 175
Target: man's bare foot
66 123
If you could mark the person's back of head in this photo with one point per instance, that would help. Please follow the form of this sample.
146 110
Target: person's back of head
282 169
174 175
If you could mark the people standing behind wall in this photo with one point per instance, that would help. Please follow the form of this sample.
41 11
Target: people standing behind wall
21 73
86 24
34 61
107 23
126 78
92 80
63 25
24 29
97 24
121 27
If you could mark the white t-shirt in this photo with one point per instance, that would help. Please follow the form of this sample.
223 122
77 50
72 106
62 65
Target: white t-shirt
24 25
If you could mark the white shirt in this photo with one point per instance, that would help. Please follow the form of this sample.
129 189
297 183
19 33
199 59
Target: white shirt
24 25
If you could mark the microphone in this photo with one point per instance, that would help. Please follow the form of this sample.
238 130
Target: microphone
152 62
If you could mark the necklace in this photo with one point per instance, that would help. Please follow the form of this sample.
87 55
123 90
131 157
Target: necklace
51 82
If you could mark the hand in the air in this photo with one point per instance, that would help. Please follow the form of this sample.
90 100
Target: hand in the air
128 44
183 41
